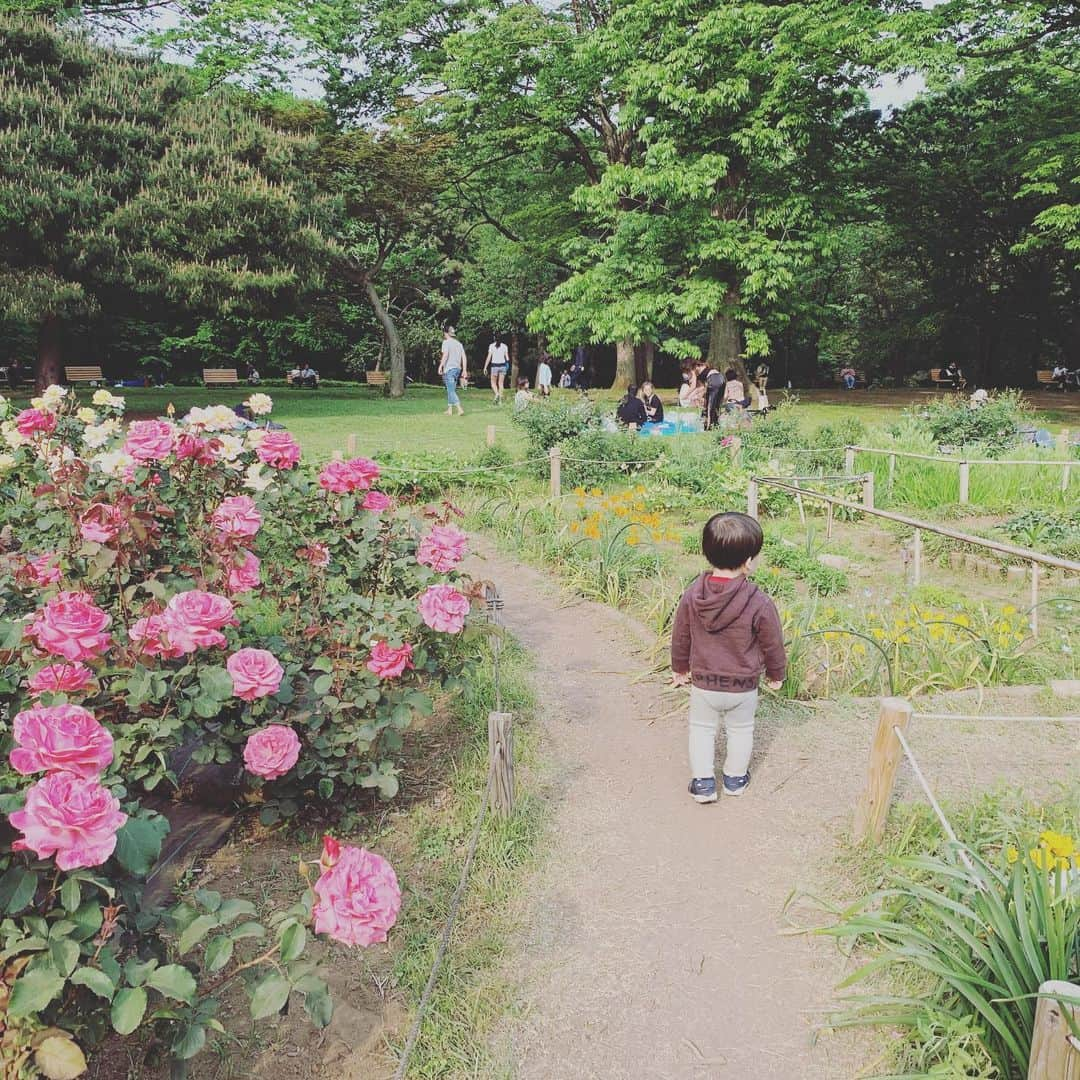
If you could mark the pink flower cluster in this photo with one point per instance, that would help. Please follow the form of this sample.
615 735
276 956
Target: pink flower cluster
357 895
71 626
443 608
236 517
191 620
244 570
443 548
376 502
272 751
344 477
60 738
190 446
31 422
278 449
60 679
101 522
255 673
43 570
388 662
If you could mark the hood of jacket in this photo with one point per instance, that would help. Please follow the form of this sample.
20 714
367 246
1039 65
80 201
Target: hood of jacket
719 605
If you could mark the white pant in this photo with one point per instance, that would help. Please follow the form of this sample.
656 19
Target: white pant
707 709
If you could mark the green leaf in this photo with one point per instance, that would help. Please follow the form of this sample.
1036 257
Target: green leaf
216 683
293 941
320 1007
71 894
195 931
33 991
322 684
218 952
326 788
64 954
138 843
269 997
208 899
248 929
233 909
94 980
175 981
59 1057
189 1042
207 707
137 971
11 634
17 888
322 663
87 920
128 1009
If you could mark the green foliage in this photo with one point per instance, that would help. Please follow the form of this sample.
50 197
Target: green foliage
1044 530
596 456
990 430
779 430
822 580
547 423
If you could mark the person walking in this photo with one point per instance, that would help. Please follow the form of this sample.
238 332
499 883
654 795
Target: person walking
543 375
453 366
498 359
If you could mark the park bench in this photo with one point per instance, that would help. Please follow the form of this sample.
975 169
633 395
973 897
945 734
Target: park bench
937 378
860 379
1046 379
220 377
87 374
376 378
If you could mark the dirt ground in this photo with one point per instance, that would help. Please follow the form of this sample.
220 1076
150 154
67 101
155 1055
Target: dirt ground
657 941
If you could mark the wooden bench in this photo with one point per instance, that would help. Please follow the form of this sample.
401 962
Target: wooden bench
938 378
1046 378
223 376
860 379
377 378
86 374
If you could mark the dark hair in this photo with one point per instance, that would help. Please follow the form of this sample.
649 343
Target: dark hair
523 383
631 391
731 374
729 539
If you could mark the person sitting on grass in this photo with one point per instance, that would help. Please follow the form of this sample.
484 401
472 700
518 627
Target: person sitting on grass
631 409
654 407
735 397
523 398
726 633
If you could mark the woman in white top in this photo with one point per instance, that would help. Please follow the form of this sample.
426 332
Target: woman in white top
498 359
543 376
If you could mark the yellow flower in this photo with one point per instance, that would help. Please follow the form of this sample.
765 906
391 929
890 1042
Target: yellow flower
632 540
858 649
579 492
596 493
962 620
1011 854
1060 844
1008 609
830 635
877 633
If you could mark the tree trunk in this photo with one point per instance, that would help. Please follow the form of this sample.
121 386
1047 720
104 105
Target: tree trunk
515 358
644 358
725 341
624 364
393 340
50 352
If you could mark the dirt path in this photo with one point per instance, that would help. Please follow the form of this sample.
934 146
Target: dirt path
655 945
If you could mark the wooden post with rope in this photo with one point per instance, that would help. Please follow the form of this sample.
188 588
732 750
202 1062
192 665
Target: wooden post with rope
872 810
555 454
491 434
752 499
868 491
350 444
1055 1050
501 762
849 460
965 483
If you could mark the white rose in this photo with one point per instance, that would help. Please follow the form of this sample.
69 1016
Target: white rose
114 462
231 447
257 478
54 396
87 416
260 404
254 437
221 418
97 435
111 401
7 463
12 436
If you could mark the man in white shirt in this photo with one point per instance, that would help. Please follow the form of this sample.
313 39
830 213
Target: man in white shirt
453 366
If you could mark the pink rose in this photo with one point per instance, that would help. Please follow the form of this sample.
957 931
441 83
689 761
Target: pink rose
317 554
443 548
342 477
443 608
60 679
376 502
193 620
271 752
43 570
331 852
32 421
70 625
358 898
278 449
243 574
255 673
101 523
189 445
149 633
387 662
149 440
70 817
237 516
60 738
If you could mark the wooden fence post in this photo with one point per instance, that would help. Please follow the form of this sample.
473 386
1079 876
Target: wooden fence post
965 479
868 491
872 809
1065 471
1034 599
1055 1051
892 472
1063 441
555 454
752 498
350 443
849 460
491 434
736 451
501 762
830 513
916 558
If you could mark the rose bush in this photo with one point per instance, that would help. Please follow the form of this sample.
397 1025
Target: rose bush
190 582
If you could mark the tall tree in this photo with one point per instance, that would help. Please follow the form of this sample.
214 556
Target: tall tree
115 179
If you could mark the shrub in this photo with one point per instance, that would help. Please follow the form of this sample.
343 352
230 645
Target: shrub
596 456
993 428
850 431
182 582
779 430
547 423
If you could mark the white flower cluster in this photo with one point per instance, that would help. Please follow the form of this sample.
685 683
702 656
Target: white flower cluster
260 404
106 400
97 435
51 399
213 418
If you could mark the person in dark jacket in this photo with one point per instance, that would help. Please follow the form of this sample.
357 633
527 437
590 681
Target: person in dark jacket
713 382
654 407
631 409
726 633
